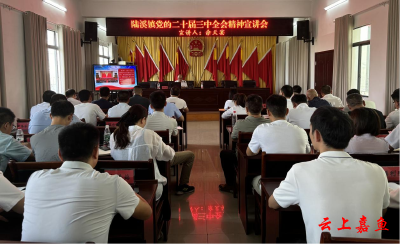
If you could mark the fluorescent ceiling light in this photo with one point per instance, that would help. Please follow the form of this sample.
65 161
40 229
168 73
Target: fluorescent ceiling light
335 4
55 5
102 28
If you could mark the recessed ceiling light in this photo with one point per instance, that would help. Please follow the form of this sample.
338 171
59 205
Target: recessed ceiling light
335 4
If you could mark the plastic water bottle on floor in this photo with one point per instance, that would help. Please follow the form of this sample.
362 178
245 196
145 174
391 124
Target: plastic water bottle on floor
234 118
20 135
107 134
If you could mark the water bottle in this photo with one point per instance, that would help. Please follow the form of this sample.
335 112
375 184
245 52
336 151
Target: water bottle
158 85
201 85
234 118
107 134
20 135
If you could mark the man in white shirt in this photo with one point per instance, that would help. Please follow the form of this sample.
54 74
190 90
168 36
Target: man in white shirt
392 120
45 104
182 81
122 107
76 203
279 136
87 110
287 92
326 93
158 120
11 198
335 190
179 102
300 114
71 97
393 138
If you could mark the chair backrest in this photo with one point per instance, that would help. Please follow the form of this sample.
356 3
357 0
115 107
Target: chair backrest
242 116
392 173
21 171
229 83
183 123
142 170
384 131
208 84
244 137
249 83
164 134
23 124
105 110
277 165
327 238
112 122
190 84
388 159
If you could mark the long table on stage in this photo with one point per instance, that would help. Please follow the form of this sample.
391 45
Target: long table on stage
210 99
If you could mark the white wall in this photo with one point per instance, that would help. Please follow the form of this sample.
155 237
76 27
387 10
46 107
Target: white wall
13 87
196 8
324 33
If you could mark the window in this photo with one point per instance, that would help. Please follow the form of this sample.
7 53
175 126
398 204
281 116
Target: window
361 57
104 56
54 61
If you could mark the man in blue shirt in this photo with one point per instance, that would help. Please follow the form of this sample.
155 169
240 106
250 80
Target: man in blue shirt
42 120
171 111
9 147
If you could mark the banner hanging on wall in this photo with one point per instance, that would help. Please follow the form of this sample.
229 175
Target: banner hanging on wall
193 27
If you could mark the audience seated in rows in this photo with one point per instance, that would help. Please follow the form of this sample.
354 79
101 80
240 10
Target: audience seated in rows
170 110
300 114
393 138
239 100
122 107
132 141
179 103
254 105
71 97
355 101
279 136
367 104
103 102
87 110
158 120
45 143
138 99
326 94
296 89
45 104
230 103
41 120
392 120
75 203
9 147
335 188
314 101
366 127
287 92
11 198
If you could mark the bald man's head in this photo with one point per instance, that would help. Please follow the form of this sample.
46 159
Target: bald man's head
311 93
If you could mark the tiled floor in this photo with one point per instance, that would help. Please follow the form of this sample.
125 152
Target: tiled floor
207 215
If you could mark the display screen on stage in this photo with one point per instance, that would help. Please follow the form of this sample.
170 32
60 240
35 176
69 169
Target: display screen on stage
200 27
115 77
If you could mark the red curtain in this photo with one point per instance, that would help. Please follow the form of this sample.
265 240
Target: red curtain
139 62
223 62
250 67
182 66
211 64
236 65
265 69
165 63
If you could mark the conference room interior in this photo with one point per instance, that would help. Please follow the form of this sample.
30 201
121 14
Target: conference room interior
210 50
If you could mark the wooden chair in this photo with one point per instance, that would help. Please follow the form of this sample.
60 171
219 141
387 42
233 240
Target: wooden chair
105 110
388 159
243 138
21 171
112 122
241 116
183 124
274 166
327 238
23 124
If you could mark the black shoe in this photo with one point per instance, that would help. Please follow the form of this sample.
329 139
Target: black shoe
184 189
